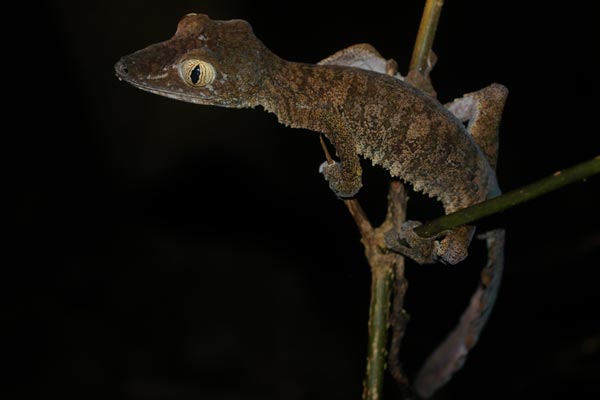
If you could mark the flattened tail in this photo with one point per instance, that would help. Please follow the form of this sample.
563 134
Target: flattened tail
450 355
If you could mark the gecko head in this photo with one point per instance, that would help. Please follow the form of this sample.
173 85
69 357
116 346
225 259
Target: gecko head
205 62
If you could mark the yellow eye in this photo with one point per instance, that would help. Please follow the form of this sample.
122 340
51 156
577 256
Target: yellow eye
197 73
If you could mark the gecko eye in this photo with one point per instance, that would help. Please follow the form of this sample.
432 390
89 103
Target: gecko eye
197 73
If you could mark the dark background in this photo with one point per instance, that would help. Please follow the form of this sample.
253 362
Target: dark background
165 250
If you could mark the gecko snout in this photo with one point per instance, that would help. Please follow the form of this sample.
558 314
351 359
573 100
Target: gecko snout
121 68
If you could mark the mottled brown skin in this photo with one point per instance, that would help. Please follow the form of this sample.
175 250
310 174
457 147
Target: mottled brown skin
362 113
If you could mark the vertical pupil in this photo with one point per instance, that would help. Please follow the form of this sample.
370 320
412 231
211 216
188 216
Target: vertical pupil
195 74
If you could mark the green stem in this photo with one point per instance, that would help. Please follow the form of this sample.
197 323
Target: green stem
425 36
379 314
470 214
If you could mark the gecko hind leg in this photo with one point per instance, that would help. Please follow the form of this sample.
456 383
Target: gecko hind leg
483 111
447 247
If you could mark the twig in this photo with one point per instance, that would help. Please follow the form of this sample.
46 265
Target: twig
423 59
473 213
399 317
386 268
379 313
425 36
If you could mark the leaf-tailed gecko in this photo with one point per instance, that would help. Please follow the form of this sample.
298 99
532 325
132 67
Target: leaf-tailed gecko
363 112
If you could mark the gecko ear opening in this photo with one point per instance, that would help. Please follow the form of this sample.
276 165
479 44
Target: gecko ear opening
197 73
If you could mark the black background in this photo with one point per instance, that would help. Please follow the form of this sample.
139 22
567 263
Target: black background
165 250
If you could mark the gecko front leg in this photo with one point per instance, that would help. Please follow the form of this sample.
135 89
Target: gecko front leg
345 176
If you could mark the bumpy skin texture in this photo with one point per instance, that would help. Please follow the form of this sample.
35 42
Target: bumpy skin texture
361 112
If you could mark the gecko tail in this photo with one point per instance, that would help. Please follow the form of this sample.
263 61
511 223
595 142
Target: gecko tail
451 354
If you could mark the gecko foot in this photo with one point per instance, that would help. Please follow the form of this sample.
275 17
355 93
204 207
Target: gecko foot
343 185
422 250
448 247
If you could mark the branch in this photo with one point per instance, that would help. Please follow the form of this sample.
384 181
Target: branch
425 36
379 313
386 269
492 206
423 59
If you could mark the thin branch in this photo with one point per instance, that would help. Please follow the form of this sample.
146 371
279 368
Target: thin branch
397 199
379 313
473 213
424 42
423 59
386 268
398 321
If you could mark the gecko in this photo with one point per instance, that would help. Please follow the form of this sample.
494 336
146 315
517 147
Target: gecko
363 112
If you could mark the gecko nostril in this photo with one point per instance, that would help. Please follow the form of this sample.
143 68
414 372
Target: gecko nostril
121 68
